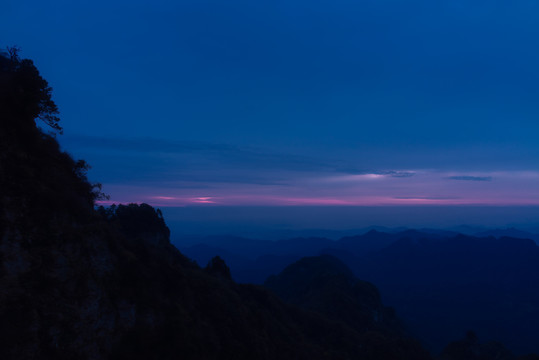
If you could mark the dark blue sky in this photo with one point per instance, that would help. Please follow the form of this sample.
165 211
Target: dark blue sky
294 102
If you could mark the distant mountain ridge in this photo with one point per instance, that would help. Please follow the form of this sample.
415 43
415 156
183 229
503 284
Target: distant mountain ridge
509 232
431 277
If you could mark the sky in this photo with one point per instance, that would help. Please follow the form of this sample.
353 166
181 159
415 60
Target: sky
294 103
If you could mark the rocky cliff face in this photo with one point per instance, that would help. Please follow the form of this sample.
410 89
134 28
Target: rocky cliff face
91 292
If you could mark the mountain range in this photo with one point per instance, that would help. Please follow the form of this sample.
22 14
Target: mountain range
442 283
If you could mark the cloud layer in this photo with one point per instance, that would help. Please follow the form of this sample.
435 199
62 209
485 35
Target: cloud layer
207 174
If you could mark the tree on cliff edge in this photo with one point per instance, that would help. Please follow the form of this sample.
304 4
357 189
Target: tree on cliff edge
24 95
29 152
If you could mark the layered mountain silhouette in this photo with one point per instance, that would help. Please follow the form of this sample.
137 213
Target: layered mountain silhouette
440 282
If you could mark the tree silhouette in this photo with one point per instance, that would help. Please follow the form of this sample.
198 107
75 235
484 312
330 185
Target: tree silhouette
136 219
26 98
25 95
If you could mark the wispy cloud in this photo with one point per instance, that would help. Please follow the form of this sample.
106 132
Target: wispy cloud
398 174
470 178
168 173
426 197
211 152
202 165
